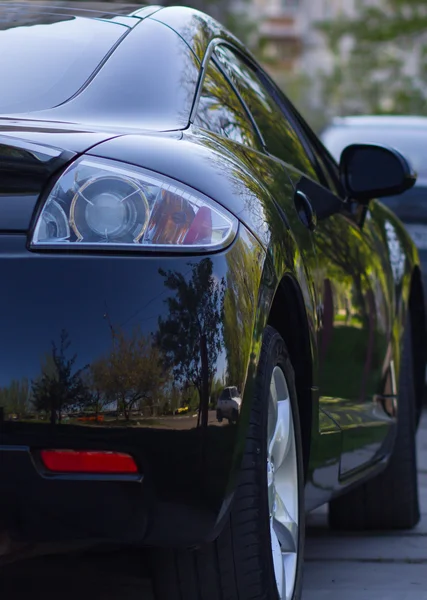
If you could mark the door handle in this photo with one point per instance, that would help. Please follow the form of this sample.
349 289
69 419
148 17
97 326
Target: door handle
305 210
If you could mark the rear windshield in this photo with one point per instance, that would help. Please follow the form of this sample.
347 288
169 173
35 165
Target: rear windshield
412 143
228 393
42 65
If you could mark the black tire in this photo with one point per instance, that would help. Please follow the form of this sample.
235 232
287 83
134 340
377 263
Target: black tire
390 500
238 565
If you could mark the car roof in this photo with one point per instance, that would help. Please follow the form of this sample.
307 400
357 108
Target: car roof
398 121
156 93
13 14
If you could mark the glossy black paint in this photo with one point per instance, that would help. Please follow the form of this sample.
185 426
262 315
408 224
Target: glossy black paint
25 168
370 171
127 92
120 326
334 279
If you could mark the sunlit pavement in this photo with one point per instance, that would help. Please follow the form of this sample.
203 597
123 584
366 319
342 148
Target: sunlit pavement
367 567
362 567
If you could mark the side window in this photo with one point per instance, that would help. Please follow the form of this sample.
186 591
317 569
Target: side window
329 170
220 110
279 136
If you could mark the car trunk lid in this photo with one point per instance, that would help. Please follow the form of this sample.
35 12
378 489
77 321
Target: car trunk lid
30 154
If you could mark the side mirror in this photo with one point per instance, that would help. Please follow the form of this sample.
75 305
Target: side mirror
369 171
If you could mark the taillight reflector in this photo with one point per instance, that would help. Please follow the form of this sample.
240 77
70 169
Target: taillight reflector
88 461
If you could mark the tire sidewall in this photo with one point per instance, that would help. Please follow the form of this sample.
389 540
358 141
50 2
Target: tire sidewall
275 354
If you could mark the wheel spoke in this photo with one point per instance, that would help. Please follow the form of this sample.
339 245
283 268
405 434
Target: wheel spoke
285 526
279 443
287 534
282 485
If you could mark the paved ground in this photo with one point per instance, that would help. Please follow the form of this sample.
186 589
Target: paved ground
362 567
368 567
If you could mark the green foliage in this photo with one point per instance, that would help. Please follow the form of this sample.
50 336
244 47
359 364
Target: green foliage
240 299
300 89
380 60
60 385
15 398
131 375
190 338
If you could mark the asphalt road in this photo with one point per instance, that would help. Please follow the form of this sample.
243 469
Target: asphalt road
362 567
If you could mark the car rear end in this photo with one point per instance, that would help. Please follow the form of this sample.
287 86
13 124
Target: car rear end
228 405
108 272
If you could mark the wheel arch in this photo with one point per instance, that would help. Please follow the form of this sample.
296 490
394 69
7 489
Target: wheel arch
288 316
417 312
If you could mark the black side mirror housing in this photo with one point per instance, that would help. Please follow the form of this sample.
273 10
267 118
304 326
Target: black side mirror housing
371 171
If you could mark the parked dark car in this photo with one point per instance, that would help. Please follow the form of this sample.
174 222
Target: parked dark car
169 225
409 136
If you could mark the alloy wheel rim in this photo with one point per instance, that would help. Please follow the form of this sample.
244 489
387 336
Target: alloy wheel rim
282 485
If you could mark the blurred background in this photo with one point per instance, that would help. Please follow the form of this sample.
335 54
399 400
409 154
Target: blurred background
332 57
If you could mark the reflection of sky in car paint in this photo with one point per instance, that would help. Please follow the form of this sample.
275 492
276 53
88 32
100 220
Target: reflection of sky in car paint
397 255
412 143
51 65
36 322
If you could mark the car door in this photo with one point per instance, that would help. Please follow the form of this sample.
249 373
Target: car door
356 368
353 328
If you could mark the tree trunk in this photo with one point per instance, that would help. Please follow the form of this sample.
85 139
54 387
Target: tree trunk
52 412
361 301
204 400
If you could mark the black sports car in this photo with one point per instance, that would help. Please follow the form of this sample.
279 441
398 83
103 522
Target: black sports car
208 327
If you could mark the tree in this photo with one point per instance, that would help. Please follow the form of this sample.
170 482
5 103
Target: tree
14 399
58 387
232 15
243 278
190 338
94 379
132 374
380 59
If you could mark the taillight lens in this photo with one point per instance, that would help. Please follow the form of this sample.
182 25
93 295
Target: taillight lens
88 461
102 203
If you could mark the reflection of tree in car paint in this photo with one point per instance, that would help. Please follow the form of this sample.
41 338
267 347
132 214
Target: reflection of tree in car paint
191 336
129 377
15 399
60 386
243 277
132 375
220 110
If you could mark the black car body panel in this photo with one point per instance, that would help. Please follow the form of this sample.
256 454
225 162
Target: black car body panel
339 295
127 93
30 155
183 467
73 138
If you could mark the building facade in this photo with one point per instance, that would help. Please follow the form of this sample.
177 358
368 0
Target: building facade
289 35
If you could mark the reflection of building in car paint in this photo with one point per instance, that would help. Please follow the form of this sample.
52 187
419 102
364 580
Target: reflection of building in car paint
228 405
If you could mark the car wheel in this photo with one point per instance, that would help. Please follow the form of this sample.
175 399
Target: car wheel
259 554
219 416
390 501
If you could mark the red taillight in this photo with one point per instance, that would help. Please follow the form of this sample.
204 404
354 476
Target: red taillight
88 461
